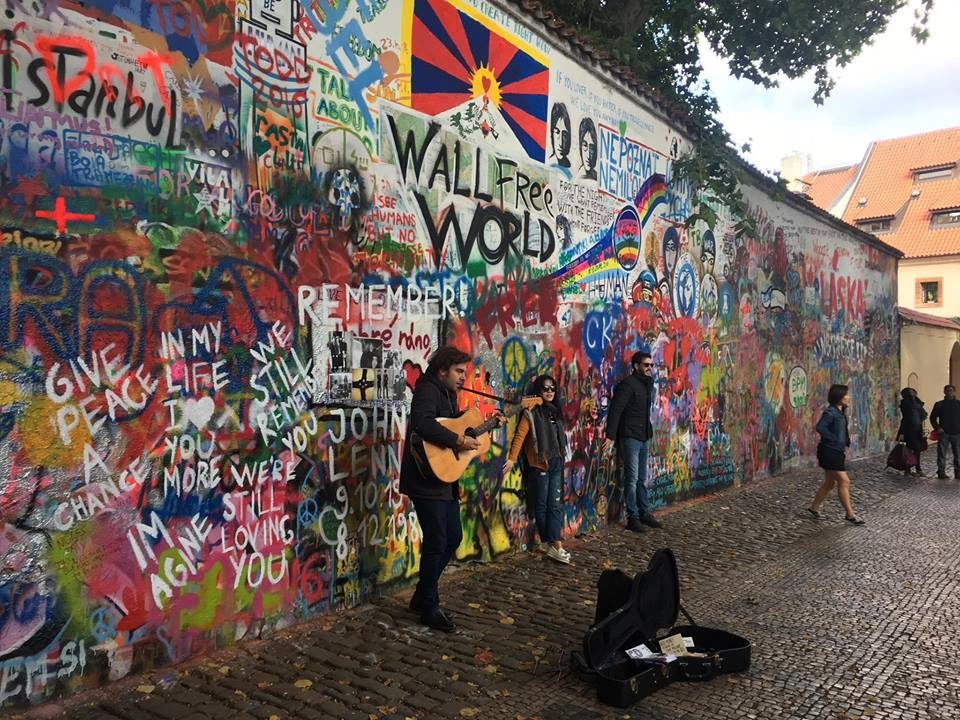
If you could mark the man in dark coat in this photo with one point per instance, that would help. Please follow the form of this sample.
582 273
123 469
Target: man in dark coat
437 503
629 427
945 419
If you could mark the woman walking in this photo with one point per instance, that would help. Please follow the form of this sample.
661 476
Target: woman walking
911 426
540 434
831 453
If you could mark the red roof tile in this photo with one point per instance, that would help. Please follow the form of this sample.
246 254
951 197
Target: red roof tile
825 187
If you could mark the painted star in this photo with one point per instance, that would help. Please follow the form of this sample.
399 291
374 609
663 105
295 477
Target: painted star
205 200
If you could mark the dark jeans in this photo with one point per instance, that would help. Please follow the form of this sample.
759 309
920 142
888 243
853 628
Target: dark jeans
633 453
440 523
548 489
954 442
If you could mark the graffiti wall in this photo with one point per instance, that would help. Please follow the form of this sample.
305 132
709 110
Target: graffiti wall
232 232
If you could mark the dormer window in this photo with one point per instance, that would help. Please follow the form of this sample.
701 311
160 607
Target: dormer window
946 217
877 224
933 172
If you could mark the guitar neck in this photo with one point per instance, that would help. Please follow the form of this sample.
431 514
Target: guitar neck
492 422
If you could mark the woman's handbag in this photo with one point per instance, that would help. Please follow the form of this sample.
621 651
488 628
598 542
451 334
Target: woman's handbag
901 458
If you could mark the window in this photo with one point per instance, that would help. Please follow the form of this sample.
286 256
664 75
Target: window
946 217
929 292
936 173
875 225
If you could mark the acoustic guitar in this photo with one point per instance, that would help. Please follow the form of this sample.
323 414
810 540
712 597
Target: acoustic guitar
448 464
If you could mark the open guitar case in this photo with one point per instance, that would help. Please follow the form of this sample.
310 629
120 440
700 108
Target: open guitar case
630 612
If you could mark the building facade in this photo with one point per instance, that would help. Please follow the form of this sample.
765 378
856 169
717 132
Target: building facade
906 191
234 232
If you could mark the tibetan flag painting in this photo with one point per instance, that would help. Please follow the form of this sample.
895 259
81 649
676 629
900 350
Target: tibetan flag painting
493 85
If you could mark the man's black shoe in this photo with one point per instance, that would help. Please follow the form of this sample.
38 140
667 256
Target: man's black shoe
438 621
416 605
650 520
635 525
942 476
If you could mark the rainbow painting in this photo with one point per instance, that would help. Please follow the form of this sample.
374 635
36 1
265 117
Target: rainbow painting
652 193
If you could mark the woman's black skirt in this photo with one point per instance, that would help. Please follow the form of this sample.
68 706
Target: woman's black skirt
830 459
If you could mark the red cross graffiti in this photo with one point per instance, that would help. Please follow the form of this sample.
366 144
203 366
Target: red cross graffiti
60 215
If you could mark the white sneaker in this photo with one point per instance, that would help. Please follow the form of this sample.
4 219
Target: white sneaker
558 555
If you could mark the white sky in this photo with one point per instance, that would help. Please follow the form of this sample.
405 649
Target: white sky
895 87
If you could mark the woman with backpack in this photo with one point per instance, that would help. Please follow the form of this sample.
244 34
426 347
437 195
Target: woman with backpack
831 453
541 436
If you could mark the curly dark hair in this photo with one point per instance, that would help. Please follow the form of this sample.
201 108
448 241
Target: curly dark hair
446 357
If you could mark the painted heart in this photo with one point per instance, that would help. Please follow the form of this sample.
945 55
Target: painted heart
199 411
486 84
413 373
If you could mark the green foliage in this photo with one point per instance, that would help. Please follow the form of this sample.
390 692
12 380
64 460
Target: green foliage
761 40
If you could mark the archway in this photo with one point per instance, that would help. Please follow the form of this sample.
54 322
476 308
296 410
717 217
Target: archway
913 381
955 364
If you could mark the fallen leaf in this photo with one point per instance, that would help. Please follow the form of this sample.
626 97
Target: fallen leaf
469 712
274 717
263 685
146 689
303 683
446 657
475 606
455 677
506 620
490 669
224 669
484 656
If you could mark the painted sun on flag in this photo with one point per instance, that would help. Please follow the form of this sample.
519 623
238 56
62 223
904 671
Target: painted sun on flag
457 58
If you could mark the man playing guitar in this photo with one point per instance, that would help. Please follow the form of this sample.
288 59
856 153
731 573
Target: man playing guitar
437 503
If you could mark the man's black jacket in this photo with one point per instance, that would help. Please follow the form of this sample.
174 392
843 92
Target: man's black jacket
946 416
431 400
629 412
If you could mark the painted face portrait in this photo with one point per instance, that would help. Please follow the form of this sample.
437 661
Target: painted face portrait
588 149
564 232
47 149
671 250
560 135
18 136
708 252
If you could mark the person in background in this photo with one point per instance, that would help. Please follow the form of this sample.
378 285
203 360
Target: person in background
911 425
831 453
945 419
630 428
542 438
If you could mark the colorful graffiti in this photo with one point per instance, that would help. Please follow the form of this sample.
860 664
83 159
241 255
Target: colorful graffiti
231 234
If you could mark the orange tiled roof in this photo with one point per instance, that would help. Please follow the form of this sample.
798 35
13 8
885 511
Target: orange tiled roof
825 187
887 182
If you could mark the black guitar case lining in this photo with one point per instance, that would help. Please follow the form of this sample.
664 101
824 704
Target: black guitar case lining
635 611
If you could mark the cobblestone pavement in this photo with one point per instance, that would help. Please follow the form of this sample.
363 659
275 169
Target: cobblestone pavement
846 622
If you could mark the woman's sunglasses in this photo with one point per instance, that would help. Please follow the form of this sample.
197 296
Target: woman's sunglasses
548 388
